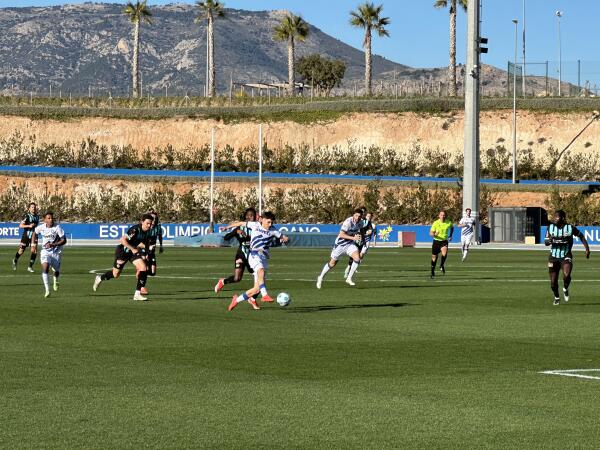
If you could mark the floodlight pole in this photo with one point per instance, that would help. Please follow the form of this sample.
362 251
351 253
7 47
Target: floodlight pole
524 62
471 139
558 16
514 130
260 168
212 180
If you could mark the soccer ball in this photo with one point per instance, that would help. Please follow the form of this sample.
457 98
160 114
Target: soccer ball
283 299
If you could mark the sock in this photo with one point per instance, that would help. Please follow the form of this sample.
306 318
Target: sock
17 256
45 279
325 270
141 281
350 261
229 280
566 282
242 298
263 290
353 269
55 277
443 261
107 276
555 291
433 263
32 259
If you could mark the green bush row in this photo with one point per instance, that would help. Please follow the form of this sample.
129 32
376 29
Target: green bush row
309 204
372 161
299 109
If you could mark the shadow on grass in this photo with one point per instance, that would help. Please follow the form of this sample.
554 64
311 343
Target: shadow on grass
309 309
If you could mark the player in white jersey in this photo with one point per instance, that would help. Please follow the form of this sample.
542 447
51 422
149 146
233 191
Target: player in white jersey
346 244
467 223
367 230
263 236
53 239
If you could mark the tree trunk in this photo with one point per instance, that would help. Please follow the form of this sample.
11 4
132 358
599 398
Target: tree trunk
211 56
136 59
291 67
368 64
452 66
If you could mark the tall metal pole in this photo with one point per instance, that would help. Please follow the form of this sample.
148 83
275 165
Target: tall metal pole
260 169
559 15
524 61
514 130
471 144
212 180
207 63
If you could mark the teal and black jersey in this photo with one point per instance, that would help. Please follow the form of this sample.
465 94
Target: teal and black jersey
561 240
242 234
155 233
29 219
366 226
136 236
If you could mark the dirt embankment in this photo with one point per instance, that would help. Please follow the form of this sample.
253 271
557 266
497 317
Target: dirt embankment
398 131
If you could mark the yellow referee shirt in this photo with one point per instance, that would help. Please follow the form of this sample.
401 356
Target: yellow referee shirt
442 229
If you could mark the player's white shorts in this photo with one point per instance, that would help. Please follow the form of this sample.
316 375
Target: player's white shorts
466 240
339 250
51 258
258 261
364 249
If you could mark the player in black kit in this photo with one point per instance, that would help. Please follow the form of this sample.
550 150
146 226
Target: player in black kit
242 234
155 235
30 220
131 248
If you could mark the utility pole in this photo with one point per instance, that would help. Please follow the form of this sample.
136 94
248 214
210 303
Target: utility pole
524 62
471 140
514 130
559 15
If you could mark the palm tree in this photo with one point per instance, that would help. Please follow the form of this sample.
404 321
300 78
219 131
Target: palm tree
210 10
137 12
290 28
368 16
452 66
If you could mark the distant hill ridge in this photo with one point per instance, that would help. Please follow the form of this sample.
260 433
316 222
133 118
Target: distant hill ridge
75 47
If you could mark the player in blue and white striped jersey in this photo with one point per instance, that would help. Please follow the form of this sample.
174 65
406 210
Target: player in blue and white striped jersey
263 236
346 244
559 236
367 230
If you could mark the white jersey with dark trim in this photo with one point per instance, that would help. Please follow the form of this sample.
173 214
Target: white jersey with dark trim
261 239
468 226
50 235
351 228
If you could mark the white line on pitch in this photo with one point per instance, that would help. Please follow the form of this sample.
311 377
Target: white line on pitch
575 373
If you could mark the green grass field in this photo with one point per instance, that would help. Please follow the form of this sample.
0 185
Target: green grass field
399 361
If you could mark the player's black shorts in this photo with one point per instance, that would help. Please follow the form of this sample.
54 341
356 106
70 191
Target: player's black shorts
437 246
25 240
122 257
555 264
241 261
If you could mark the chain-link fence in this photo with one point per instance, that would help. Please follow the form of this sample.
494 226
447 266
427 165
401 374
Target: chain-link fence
558 79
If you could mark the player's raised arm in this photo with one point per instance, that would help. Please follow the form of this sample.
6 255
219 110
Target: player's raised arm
237 224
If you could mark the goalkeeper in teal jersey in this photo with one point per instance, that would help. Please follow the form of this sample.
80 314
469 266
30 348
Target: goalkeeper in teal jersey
559 237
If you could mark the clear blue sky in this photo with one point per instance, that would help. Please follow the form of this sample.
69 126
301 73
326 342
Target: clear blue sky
419 33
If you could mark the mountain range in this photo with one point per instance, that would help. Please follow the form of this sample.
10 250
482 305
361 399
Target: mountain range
87 48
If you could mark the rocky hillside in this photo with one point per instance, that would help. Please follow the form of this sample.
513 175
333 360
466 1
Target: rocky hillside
74 48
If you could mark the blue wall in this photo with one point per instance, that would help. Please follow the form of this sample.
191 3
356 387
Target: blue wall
592 234
113 231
